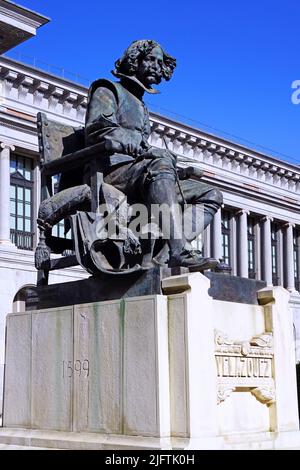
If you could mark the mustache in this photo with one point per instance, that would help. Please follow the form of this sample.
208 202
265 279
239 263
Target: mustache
155 72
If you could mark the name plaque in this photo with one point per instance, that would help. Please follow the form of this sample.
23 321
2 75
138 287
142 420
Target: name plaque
245 366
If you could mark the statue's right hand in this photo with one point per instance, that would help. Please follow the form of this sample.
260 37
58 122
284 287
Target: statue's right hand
132 149
114 146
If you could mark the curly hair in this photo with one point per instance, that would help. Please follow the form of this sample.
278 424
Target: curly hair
129 62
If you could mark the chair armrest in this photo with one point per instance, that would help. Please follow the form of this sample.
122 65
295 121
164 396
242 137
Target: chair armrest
73 160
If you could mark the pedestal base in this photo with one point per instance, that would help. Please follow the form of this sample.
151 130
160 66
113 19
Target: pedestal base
180 370
21 439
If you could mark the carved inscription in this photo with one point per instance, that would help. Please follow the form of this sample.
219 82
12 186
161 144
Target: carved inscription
79 368
246 366
235 366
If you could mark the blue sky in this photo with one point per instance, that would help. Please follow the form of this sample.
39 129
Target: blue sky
236 60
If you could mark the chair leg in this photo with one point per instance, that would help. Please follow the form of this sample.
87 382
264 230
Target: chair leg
96 182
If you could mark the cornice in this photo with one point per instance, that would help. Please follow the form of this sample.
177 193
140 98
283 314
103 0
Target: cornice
22 15
272 199
42 75
18 124
43 90
199 147
216 140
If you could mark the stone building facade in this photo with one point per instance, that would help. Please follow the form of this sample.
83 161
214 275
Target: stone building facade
257 232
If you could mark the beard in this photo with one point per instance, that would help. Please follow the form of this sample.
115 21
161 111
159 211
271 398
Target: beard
152 79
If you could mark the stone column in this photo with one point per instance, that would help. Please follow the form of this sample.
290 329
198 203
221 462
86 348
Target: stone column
267 251
217 235
5 150
243 243
289 250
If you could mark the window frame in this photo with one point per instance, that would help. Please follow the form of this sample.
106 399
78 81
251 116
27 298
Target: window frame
296 257
226 234
275 253
251 240
23 239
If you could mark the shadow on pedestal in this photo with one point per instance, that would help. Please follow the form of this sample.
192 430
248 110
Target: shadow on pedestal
102 288
233 288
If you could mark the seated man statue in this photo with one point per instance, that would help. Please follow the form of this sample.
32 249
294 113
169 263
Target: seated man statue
117 117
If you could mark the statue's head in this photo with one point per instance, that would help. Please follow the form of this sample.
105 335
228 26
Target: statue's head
147 61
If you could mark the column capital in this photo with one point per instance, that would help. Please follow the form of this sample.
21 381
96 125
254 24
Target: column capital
288 225
267 218
242 212
7 145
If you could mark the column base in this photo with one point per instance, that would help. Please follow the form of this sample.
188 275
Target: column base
295 295
8 244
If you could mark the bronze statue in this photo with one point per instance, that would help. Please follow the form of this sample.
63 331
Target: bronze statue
116 142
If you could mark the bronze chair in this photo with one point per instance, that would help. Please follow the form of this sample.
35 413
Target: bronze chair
62 153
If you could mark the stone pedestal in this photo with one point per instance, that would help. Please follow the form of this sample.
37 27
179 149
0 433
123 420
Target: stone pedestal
179 370
91 368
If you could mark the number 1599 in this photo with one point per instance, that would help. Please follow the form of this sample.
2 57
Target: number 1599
80 368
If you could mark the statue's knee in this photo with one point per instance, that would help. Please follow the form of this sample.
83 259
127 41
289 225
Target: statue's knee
162 167
162 163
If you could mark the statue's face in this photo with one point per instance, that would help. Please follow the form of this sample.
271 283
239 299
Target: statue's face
150 68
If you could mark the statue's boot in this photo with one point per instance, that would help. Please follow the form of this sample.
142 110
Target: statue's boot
162 191
192 259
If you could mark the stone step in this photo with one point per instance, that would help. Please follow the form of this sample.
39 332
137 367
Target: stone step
14 447
26 439
43 439
263 441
